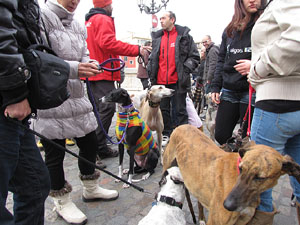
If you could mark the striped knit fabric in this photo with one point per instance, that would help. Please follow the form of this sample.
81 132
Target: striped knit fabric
145 142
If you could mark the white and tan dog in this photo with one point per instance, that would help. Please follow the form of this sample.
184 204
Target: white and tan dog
169 201
150 111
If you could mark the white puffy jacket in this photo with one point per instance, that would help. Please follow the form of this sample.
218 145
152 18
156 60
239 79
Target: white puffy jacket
75 117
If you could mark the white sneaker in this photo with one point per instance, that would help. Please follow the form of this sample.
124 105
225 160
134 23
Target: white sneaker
165 141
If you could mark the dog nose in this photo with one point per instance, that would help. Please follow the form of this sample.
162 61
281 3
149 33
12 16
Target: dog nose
230 204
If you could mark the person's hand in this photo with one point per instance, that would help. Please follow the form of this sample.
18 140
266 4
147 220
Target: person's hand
144 49
88 69
243 66
18 110
215 97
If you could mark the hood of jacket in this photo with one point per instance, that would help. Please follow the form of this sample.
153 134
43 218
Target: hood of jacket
94 11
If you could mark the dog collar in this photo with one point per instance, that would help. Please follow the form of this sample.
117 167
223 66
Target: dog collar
170 201
154 104
127 108
239 160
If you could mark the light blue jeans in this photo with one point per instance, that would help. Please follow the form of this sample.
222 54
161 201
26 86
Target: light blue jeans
282 132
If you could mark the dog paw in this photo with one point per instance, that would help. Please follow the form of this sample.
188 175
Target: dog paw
125 171
126 186
146 176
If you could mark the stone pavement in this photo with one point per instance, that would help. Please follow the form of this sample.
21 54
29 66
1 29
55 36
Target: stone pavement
132 205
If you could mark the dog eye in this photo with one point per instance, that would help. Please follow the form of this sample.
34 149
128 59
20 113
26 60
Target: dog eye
259 178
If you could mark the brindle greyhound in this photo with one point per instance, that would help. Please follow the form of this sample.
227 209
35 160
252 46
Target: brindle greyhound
227 184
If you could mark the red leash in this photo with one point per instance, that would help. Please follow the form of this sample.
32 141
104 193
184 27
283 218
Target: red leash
251 91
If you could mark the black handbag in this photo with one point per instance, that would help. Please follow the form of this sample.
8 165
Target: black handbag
49 77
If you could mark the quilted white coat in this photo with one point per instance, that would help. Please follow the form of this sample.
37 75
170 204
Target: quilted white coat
75 117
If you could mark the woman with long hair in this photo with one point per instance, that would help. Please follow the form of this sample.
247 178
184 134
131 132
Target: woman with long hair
233 65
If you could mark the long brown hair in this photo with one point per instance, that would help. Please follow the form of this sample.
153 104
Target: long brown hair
241 18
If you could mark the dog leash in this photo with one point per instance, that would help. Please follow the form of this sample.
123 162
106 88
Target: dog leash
92 98
19 123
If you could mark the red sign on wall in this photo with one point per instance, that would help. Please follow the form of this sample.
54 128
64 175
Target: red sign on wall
154 21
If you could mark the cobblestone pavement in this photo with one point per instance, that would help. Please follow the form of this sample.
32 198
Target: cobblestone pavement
133 205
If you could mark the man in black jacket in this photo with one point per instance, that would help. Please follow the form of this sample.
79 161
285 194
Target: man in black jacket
174 56
22 170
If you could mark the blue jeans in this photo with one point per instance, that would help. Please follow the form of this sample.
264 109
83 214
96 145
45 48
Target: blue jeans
23 172
237 97
282 132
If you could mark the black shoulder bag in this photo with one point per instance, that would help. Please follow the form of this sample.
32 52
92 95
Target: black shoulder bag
49 76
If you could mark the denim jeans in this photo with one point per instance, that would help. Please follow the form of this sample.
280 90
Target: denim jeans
237 97
23 172
282 132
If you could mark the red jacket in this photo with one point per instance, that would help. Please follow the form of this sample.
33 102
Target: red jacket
102 43
167 73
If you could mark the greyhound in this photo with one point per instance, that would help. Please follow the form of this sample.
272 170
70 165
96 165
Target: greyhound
227 184
150 111
134 134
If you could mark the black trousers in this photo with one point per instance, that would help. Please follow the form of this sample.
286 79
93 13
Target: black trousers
228 115
106 110
54 158
179 107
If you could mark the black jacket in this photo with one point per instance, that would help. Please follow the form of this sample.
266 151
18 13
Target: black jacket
210 64
232 49
19 28
187 57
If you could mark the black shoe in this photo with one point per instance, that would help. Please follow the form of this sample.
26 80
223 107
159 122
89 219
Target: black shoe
100 163
107 152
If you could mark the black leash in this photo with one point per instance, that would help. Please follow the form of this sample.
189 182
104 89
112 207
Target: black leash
16 122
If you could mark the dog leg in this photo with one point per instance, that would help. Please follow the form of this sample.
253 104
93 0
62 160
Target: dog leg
130 151
159 142
201 214
121 157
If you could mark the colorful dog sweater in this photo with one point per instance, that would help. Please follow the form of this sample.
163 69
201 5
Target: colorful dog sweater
145 142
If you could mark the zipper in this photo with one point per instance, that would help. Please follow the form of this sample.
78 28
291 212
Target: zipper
168 57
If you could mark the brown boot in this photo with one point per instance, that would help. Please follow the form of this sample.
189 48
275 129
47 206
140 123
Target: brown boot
298 211
262 218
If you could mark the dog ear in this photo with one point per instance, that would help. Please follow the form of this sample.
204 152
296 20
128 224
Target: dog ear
290 167
246 146
163 179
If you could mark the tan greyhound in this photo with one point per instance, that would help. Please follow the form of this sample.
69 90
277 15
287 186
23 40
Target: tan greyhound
227 184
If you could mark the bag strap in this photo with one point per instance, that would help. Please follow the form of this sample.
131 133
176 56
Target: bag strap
46 33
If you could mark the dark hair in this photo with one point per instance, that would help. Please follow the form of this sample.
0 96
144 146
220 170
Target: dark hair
172 15
147 43
240 18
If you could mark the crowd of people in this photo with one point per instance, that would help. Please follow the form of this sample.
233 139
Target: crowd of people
259 49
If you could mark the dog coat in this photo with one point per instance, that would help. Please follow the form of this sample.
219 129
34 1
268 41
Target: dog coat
145 142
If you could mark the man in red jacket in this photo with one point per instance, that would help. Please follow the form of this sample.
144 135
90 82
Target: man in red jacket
103 45
173 58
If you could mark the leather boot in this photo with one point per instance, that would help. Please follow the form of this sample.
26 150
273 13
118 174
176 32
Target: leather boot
298 211
65 207
92 191
262 218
